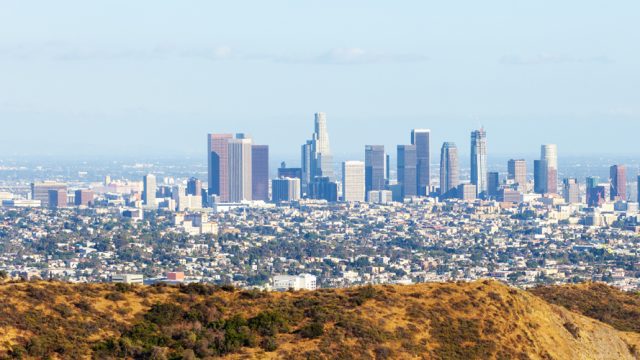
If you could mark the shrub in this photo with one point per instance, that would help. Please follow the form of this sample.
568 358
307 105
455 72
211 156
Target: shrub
269 344
115 296
312 330
268 323
197 289
164 314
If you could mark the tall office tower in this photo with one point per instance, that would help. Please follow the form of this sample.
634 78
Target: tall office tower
353 181
591 185
421 138
493 184
40 191
638 189
479 160
321 151
374 159
407 171
194 187
540 178
218 164
306 164
449 172
549 153
618 175
260 172
517 169
149 191
57 198
285 189
83 198
571 191
240 169
387 168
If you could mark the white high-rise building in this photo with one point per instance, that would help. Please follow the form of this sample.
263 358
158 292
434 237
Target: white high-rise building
321 150
149 191
240 180
479 160
353 181
549 152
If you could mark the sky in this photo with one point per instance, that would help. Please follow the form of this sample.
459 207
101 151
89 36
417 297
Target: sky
153 77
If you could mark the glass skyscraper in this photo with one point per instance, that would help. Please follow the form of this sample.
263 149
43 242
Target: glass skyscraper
420 138
479 160
260 172
218 164
407 172
449 172
374 158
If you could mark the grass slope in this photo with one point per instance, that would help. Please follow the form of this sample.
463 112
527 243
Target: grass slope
480 320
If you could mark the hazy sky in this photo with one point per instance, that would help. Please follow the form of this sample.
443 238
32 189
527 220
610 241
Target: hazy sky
152 77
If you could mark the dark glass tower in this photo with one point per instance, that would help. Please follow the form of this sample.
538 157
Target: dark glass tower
260 172
374 158
407 172
218 157
420 138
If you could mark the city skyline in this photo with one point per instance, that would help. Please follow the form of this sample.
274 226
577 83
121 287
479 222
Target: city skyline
171 73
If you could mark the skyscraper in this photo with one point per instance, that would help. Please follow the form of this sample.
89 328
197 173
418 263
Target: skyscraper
479 160
306 164
618 175
596 193
149 191
194 187
407 172
260 172
540 178
493 184
321 150
374 158
240 169
353 181
218 164
571 191
549 153
421 139
449 172
517 169
387 168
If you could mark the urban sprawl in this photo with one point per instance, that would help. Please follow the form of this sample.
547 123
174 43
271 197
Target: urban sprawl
312 226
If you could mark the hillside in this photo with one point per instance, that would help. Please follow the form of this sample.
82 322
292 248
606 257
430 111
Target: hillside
596 300
481 320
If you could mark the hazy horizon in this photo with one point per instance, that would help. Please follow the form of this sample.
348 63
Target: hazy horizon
151 78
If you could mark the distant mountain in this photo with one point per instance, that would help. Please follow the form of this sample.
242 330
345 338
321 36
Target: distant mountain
479 320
